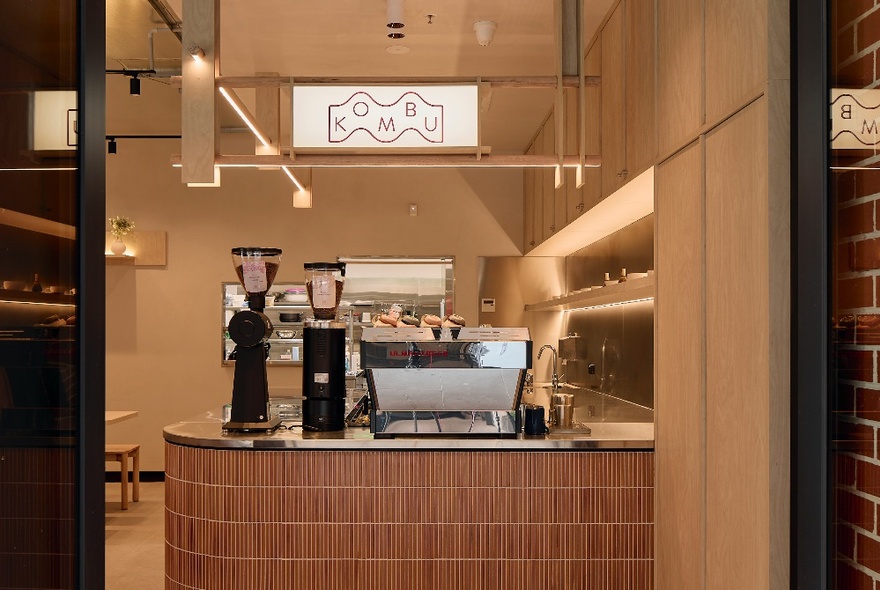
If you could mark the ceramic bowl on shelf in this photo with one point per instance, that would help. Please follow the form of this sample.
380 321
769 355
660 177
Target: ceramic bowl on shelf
14 285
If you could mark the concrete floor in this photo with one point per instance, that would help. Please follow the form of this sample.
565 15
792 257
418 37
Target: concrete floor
135 539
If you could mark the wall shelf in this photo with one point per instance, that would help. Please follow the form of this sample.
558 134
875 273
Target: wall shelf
144 248
31 297
631 290
113 260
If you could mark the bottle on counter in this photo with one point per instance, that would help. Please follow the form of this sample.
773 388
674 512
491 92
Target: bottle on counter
37 287
607 276
622 278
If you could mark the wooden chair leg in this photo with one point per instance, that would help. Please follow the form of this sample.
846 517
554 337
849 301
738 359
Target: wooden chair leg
123 476
136 468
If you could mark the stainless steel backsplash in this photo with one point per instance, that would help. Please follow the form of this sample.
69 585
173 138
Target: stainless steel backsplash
618 341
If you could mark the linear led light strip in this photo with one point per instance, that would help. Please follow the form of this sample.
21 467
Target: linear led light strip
619 303
14 302
233 99
293 178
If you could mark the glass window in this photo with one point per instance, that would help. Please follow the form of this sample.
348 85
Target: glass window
855 294
38 367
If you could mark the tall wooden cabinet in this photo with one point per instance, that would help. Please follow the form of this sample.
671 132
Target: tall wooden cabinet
614 171
629 140
620 124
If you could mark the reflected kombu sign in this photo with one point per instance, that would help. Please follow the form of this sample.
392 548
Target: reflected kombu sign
854 118
385 123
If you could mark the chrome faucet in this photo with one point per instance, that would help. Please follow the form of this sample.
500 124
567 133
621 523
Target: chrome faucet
554 379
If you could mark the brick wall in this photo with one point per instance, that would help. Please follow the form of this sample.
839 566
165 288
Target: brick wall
856 310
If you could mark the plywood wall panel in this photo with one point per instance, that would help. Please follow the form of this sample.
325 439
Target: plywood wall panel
680 391
779 236
736 65
641 129
738 357
679 73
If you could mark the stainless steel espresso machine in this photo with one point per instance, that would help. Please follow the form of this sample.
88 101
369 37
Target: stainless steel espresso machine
467 386
324 349
250 329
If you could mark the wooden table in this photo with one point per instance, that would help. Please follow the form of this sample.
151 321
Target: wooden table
114 416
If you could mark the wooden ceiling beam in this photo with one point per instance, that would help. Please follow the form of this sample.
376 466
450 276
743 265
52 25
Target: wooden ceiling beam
399 161
493 81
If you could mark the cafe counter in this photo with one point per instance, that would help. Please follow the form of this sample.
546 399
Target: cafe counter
344 510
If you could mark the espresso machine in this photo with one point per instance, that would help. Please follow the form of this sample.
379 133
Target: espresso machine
250 329
324 349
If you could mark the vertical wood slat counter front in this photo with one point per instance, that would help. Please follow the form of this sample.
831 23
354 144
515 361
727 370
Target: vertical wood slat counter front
341 511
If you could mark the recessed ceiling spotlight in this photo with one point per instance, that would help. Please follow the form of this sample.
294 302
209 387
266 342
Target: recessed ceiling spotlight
397 49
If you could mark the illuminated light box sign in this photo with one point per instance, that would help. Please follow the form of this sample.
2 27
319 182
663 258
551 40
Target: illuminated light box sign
855 116
358 117
53 120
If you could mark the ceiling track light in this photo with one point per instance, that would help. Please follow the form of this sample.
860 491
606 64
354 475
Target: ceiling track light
134 85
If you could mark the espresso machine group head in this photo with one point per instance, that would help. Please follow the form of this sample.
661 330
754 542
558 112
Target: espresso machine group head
250 329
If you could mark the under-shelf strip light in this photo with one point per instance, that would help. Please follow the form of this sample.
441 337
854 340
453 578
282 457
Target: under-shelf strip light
234 101
293 178
604 305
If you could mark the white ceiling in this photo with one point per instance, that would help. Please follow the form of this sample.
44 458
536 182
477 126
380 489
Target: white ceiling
348 38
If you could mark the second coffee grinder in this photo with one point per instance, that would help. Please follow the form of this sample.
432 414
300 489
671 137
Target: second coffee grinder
324 349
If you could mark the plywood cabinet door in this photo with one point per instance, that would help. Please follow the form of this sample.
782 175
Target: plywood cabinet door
641 135
572 203
591 193
538 190
679 390
529 205
614 170
679 73
548 184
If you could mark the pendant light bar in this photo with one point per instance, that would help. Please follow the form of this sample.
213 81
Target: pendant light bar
239 107
293 178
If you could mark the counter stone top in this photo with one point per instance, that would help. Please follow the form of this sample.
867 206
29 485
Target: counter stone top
205 431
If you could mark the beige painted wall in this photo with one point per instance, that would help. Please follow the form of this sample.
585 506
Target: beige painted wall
163 323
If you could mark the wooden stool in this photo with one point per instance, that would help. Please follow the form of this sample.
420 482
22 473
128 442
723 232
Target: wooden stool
121 453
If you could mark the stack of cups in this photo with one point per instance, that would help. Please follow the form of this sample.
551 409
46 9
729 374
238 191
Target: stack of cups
563 409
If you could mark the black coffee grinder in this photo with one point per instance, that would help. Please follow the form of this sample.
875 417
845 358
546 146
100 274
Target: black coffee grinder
324 349
250 329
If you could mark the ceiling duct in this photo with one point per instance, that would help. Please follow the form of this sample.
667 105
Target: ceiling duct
167 14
